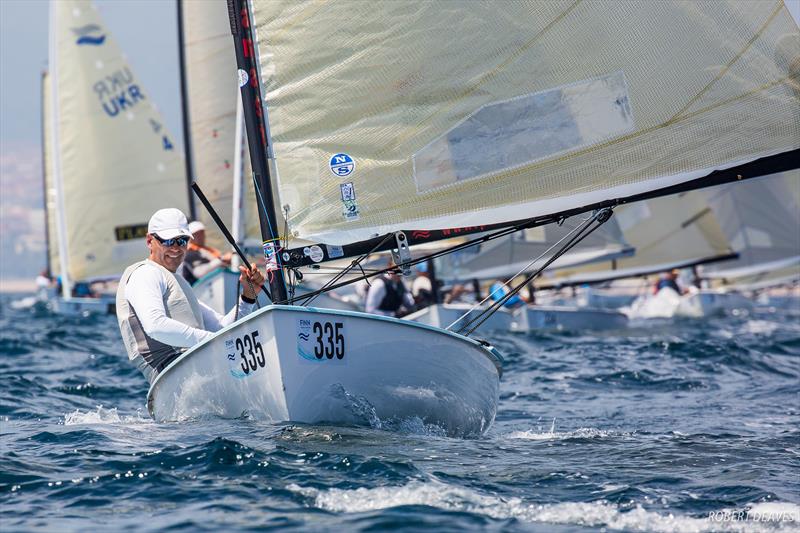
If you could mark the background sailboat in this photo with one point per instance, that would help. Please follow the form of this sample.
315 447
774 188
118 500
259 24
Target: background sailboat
113 163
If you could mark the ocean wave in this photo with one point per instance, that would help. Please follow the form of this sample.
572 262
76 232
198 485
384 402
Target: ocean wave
778 516
102 415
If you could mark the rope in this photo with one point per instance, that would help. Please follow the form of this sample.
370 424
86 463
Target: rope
600 217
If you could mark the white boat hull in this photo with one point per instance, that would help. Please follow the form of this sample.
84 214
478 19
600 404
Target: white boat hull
218 290
557 318
710 303
667 304
443 315
390 370
104 305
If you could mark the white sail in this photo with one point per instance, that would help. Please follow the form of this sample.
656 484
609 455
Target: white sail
508 256
212 95
114 163
397 116
50 198
760 218
670 232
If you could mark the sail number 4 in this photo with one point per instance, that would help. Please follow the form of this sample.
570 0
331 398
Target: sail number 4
250 352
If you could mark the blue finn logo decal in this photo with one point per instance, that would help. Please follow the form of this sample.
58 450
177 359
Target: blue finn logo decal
342 165
90 34
233 359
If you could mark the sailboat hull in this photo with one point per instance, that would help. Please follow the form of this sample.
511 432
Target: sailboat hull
443 315
710 303
557 318
219 289
342 367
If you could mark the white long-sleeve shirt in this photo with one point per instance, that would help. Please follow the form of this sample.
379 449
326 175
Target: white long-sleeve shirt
145 293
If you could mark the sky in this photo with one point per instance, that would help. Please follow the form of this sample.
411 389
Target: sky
146 31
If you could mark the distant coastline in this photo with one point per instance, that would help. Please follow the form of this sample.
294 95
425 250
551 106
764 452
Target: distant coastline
17 285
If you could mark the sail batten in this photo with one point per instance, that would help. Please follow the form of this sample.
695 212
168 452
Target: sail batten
379 126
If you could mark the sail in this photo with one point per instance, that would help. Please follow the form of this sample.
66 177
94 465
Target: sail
670 232
50 199
211 95
447 114
760 218
508 256
114 161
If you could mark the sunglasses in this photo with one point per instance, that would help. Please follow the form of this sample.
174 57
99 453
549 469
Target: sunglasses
180 241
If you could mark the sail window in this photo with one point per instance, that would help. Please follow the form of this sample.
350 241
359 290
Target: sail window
513 133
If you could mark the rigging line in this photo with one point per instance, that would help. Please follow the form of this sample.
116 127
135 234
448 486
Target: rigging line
523 269
341 274
736 58
263 206
484 315
501 233
600 217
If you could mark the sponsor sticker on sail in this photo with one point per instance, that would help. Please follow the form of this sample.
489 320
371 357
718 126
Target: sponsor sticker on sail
350 206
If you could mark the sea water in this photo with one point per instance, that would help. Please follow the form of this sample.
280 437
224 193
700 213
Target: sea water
685 425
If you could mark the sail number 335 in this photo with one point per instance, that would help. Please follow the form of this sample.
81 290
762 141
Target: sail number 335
250 352
330 340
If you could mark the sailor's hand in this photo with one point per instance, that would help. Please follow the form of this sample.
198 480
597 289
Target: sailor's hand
251 281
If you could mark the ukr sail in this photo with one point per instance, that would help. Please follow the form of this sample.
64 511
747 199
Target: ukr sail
446 114
114 163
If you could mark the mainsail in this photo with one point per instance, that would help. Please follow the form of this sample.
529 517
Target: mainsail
400 118
670 232
760 218
512 255
114 163
212 94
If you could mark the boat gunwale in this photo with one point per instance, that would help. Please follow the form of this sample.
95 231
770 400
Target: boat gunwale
487 350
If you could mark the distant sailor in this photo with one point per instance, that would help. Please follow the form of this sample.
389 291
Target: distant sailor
159 316
422 287
388 296
668 280
201 259
499 289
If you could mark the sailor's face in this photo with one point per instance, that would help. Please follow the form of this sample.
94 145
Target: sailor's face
170 257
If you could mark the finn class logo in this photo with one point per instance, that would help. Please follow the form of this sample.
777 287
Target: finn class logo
91 34
342 165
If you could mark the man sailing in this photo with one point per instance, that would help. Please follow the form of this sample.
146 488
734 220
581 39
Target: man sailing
158 314
201 259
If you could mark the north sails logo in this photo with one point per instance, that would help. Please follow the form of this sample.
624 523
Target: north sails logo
90 34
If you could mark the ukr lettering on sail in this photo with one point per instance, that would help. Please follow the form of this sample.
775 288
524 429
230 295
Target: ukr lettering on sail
118 92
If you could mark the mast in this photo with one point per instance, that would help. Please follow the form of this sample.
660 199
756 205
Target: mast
238 204
43 120
187 131
255 122
61 220
437 299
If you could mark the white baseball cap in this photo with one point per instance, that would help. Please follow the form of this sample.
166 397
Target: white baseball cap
169 223
195 226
